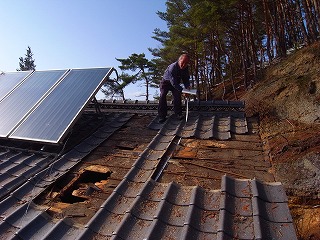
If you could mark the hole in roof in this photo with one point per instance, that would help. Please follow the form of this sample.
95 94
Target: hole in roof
80 188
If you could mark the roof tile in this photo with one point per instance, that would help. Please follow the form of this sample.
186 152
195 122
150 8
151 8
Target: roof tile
63 228
133 228
118 204
144 208
104 222
271 192
271 211
236 226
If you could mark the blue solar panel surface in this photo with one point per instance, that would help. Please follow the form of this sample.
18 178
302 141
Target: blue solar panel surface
8 81
57 112
25 97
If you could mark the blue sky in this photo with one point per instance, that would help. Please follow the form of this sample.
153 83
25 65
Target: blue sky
78 33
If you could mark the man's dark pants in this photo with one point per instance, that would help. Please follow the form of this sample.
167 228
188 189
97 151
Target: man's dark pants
165 87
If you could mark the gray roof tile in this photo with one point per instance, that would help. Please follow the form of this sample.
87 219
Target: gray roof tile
63 165
159 146
136 174
271 211
105 222
8 206
86 234
128 188
203 126
5 178
272 192
154 192
189 232
62 230
211 200
7 230
236 226
271 230
239 188
161 230
22 215
94 141
84 147
28 190
73 155
202 220
171 214
151 154
133 228
236 205
13 182
145 164
118 204
37 227
144 208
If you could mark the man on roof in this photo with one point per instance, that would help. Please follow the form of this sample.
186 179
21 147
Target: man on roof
175 74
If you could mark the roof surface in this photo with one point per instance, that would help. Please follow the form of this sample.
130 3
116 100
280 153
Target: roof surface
132 178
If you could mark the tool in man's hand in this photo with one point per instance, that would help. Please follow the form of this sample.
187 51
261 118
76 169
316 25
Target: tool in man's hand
187 93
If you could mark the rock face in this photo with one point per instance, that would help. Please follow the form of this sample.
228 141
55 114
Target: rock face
287 102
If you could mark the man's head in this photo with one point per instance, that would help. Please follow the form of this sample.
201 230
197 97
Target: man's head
183 61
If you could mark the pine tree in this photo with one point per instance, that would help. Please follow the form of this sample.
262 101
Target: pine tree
143 69
233 39
27 63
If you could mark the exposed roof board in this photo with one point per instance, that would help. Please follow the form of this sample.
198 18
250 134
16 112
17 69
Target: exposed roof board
51 119
25 97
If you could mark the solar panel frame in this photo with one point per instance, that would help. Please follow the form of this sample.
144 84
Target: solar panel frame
39 117
25 97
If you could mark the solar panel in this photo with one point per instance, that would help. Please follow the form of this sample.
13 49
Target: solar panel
50 120
24 98
8 81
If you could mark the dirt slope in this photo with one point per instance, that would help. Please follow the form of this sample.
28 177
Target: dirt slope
287 102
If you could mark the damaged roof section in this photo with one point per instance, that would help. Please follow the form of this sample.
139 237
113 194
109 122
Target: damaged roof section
130 191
